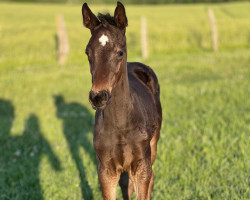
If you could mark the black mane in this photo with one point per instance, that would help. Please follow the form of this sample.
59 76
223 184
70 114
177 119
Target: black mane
106 18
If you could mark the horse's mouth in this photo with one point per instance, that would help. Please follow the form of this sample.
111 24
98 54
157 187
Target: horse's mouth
99 107
99 100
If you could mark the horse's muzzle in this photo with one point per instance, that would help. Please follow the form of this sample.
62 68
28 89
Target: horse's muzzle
99 100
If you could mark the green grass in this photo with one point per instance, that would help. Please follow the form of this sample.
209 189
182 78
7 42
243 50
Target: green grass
46 122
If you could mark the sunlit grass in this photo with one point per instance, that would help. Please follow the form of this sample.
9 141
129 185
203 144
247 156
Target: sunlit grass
46 121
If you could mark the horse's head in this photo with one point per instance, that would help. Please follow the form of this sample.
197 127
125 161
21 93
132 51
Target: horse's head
106 51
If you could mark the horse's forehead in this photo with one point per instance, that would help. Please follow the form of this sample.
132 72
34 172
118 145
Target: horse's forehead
100 38
105 37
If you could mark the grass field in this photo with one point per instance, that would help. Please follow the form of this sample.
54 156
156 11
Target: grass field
46 122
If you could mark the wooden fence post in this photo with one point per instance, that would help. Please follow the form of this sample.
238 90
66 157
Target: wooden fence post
144 41
62 41
214 33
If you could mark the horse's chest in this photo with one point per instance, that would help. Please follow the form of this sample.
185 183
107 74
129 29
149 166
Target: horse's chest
120 148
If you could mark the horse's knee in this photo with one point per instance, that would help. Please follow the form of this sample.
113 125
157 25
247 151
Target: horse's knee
143 171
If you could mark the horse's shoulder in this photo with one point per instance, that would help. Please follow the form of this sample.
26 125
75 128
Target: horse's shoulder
144 74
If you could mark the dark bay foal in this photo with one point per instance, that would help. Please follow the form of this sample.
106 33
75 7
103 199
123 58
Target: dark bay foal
128 118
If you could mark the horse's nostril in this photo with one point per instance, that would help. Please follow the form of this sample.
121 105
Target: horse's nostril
105 95
91 94
100 99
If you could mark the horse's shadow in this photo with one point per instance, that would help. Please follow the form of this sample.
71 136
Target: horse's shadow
77 122
20 156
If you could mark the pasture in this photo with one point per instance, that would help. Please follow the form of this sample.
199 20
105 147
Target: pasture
46 121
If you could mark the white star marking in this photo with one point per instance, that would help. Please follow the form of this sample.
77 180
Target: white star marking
103 39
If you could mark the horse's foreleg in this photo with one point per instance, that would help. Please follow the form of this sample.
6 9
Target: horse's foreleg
142 180
108 181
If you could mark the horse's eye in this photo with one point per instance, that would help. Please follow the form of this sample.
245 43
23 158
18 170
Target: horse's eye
120 53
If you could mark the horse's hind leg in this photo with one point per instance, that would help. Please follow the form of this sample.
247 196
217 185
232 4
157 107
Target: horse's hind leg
153 146
151 185
126 186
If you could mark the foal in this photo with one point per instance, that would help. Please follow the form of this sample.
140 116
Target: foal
128 110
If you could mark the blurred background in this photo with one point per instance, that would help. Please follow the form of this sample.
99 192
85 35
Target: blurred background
200 51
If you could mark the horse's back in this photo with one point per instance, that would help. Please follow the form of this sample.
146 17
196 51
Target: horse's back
146 75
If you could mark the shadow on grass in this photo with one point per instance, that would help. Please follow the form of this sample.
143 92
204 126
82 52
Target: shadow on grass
77 122
20 156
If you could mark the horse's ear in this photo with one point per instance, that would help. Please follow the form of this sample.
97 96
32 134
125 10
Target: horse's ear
120 16
90 21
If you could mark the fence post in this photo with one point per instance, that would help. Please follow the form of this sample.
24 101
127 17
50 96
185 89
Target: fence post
62 40
144 38
214 33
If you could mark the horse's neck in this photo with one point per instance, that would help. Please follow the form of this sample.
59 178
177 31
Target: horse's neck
119 110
